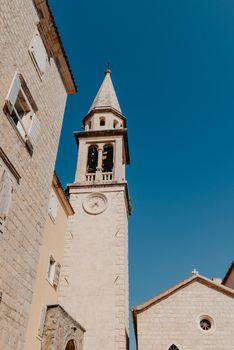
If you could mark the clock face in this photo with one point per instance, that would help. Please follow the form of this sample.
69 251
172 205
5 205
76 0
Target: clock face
95 203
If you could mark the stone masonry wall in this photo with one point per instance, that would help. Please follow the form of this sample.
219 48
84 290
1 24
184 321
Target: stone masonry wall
59 329
94 277
175 320
21 239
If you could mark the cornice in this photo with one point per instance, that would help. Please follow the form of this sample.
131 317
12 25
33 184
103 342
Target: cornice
51 36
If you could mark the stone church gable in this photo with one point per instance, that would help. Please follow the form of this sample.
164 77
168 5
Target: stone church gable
195 314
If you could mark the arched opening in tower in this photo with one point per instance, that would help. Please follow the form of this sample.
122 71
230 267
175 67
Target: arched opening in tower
92 159
107 160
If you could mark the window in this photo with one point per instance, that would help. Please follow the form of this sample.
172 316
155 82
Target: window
38 53
6 191
206 324
173 347
102 121
20 108
92 159
53 271
53 207
107 159
115 124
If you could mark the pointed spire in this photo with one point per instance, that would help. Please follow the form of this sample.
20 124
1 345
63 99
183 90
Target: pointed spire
106 96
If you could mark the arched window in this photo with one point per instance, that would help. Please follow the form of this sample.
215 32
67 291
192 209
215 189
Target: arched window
70 345
102 121
173 347
107 160
92 159
115 123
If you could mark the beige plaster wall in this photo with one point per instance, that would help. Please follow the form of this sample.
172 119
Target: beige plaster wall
175 320
44 292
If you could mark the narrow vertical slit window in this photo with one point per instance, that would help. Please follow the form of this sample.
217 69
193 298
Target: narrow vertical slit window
102 122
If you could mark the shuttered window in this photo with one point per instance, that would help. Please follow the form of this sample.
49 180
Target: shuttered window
53 207
6 191
39 54
20 111
42 320
57 274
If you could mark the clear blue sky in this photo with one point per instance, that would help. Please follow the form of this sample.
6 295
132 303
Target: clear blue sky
173 70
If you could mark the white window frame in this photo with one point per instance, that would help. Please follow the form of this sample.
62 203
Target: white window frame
29 129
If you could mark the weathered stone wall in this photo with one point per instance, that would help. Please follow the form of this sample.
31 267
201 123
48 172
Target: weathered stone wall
94 278
175 320
59 329
21 239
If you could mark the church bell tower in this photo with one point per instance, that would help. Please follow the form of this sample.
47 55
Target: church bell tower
94 289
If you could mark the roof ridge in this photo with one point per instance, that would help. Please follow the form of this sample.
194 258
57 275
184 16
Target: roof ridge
174 288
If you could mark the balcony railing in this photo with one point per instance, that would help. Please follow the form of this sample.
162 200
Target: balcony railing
90 177
107 176
99 177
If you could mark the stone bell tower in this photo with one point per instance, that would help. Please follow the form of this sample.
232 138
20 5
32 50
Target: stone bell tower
94 287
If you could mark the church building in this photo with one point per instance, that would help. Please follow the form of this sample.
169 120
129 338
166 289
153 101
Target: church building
195 314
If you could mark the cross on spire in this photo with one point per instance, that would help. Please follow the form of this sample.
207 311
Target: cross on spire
108 67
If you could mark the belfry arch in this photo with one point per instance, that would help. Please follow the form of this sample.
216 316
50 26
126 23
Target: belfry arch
107 161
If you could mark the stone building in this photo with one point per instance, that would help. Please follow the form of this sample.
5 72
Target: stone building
195 314
229 277
94 283
35 79
49 326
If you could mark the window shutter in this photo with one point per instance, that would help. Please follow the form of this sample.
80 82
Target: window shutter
56 274
13 92
39 52
53 206
34 130
42 320
6 191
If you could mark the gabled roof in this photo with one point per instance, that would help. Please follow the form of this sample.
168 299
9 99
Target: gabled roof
166 294
229 272
194 278
106 96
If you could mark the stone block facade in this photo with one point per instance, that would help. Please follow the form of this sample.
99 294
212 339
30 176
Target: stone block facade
175 319
61 331
94 277
21 237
